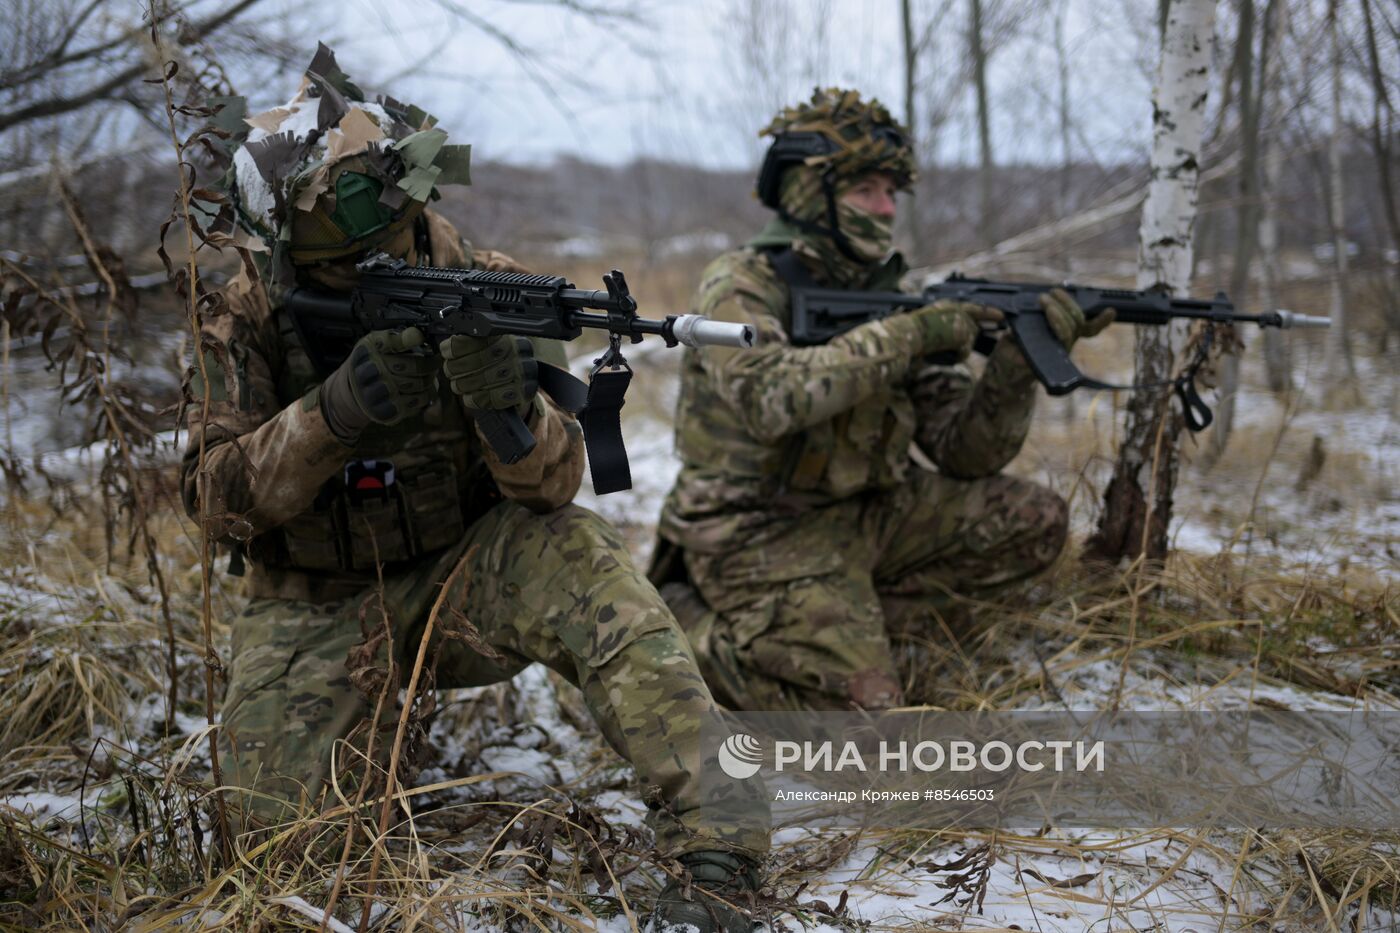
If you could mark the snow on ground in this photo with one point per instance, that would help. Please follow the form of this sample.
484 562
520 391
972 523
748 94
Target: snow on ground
1037 887
1142 880
1056 881
1036 878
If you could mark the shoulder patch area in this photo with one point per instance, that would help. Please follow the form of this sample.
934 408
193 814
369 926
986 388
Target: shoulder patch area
447 245
741 270
495 261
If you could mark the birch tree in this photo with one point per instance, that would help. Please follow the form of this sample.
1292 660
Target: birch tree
1248 104
1138 502
1340 368
1278 346
977 50
911 77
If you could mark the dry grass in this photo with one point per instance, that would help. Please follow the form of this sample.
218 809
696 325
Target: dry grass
83 676
82 659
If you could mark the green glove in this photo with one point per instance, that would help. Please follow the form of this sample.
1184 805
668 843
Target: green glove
950 326
491 373
1066 318
388 377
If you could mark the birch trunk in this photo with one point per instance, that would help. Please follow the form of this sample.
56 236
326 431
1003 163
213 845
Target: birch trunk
1339 363
1278 346
910 214
1062 60
1248 102
1071 404
1138 502
986 225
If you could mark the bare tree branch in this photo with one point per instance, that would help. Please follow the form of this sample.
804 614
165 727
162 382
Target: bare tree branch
53 106
57 58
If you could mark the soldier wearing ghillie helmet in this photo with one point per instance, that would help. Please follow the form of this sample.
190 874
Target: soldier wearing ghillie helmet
365 491
800 533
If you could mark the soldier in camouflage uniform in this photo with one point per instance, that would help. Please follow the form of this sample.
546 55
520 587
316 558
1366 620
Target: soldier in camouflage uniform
800 533
326 482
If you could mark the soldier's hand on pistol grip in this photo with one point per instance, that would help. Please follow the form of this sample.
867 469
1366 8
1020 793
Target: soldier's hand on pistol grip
1067 320
951 326
491 373
388 376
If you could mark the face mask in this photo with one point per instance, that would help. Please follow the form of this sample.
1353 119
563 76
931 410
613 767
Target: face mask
870 237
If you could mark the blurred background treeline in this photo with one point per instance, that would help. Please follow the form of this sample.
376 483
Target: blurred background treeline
637 147
623 134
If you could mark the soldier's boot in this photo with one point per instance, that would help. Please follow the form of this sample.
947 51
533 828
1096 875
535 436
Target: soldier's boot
928 639
708 637
716 895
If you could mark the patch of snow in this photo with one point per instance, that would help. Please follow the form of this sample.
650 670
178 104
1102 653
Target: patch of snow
42 803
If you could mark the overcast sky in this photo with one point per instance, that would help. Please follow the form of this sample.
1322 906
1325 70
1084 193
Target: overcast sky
678 86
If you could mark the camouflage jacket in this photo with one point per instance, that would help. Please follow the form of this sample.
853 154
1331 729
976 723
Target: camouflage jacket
315 516
765 434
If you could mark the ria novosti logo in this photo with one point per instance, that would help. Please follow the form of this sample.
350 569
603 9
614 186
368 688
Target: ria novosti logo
740 756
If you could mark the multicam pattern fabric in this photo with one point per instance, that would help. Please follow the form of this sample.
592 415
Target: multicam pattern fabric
558 588
542 580
273 475
798 512
806 526
804 619
772 432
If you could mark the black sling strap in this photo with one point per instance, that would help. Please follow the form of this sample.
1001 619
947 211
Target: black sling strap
598 405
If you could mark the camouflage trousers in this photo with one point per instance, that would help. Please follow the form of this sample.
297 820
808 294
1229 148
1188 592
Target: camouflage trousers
802 618
560 589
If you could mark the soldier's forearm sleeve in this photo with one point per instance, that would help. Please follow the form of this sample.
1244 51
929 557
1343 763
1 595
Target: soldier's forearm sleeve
973 429
550 476
779 389
261 475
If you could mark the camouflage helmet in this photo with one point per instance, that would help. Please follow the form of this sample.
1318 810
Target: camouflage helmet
838 135
329 174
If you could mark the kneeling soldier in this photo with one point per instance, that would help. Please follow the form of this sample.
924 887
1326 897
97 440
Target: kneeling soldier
800 532
324 481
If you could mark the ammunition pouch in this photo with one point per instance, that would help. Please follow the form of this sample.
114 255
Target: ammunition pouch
864 448
377 512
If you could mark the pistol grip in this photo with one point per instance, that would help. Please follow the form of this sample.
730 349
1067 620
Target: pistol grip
507 434
1048 357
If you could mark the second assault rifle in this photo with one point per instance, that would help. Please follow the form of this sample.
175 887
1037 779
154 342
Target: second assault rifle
819 314
392 295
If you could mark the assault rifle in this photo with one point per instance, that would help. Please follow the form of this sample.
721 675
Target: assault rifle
392 295
819 314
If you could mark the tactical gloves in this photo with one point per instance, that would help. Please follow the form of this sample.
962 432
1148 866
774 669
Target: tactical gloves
387 377
491 373
1067 320
949 326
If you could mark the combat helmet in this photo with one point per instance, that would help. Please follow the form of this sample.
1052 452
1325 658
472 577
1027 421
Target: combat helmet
838 136
329 174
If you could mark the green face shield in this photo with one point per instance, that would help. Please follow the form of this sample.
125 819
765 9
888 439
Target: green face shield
358 212
358 221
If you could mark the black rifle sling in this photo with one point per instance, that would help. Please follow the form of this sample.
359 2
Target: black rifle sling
568 391
602 420
1194 409
598 405
790 269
